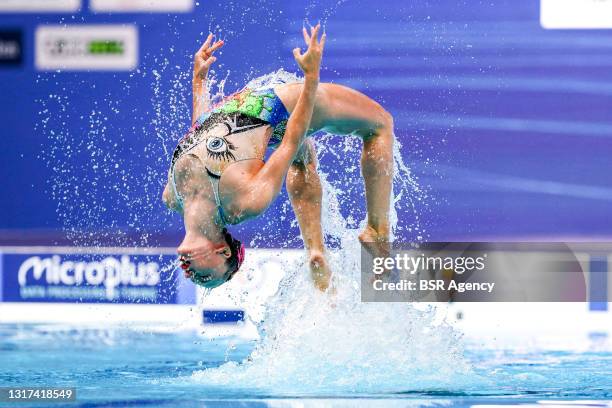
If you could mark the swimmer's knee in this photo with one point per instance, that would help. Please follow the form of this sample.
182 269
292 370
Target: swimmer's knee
379 126
386 119
303 183
384 130
382 123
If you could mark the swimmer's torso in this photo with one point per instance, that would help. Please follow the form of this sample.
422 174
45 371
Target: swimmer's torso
238 130
225 142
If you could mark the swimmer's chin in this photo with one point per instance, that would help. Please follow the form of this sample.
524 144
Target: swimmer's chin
210 284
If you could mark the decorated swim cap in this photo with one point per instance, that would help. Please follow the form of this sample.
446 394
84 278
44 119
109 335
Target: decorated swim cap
238 253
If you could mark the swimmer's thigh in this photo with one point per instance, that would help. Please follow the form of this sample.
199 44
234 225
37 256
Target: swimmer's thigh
338 109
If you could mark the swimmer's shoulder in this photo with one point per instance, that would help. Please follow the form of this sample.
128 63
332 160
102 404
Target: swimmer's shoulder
190 176
237 190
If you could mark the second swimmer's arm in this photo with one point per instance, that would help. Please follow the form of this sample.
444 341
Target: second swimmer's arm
202 61
266 184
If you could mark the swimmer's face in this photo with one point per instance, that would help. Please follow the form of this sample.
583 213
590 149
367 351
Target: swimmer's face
203 261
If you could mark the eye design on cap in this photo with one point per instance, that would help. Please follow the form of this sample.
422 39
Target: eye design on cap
220 149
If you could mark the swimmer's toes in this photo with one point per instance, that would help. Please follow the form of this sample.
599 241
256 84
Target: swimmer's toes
370 235
376 244
320 271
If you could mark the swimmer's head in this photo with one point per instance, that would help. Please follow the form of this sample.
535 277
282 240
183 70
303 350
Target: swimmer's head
208 263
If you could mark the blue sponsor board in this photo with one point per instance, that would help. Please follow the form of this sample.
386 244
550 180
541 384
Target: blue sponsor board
93 278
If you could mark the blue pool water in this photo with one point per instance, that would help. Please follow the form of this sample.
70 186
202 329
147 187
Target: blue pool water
137 367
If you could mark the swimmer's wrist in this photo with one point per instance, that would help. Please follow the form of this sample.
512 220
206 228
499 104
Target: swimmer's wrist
312 78
198 81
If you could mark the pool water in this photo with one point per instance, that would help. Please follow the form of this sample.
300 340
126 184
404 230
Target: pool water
122 366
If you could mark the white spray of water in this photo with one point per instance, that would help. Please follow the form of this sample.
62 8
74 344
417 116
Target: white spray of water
316 343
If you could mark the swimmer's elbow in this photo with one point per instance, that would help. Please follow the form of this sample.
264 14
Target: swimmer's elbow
290 143
167 197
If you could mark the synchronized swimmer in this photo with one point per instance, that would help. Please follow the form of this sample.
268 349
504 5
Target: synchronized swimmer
218 177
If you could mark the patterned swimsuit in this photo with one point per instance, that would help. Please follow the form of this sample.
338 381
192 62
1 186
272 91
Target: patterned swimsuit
239 112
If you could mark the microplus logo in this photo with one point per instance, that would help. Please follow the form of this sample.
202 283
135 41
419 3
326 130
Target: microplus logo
109 272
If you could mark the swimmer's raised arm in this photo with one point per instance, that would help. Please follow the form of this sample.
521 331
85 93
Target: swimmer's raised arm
310 64
202 61
268 181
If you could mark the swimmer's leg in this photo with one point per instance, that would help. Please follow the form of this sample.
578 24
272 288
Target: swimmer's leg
305 193
343 110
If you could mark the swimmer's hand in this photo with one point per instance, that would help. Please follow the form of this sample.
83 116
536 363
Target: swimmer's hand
310 61
203 59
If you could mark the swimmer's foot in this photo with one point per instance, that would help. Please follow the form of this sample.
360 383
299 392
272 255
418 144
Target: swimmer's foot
319 270
375 242
378 246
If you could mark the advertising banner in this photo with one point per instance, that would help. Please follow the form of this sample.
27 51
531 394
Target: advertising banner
92 278
38 6
86 47
154 6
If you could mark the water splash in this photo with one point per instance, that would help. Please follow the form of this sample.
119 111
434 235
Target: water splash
279 77
314 343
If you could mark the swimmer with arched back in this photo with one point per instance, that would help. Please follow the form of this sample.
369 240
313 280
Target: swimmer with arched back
218 176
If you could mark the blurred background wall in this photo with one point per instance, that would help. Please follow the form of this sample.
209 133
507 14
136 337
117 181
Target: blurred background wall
506 125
